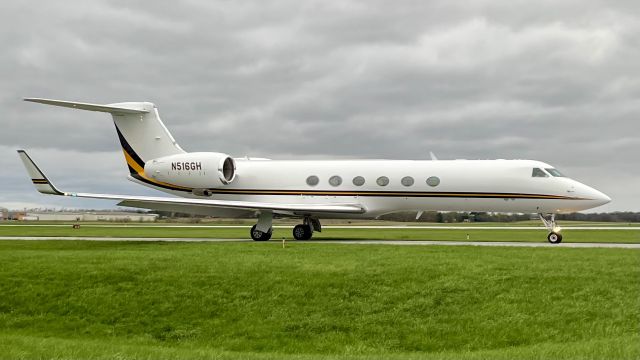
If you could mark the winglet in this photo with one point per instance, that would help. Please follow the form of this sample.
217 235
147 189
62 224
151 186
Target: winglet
38 178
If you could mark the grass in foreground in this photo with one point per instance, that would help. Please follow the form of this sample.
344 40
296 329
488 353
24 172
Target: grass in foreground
307 301
622 236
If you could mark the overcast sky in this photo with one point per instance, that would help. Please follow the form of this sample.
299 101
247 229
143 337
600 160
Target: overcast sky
556 81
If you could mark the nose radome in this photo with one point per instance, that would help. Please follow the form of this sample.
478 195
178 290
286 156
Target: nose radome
604 198
599 196
591 195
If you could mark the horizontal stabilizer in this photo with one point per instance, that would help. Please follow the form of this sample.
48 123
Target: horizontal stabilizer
87 106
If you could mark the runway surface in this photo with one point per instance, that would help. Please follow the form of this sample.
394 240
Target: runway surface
346 242
429 227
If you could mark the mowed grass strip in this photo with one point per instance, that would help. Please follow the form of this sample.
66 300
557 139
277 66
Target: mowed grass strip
621 236
29 347
239 300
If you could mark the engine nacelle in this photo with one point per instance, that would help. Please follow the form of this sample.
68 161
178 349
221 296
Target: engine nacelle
200 170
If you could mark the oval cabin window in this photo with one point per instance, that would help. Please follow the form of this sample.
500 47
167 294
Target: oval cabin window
312 180
358 181
382 181
335 180
433 181
407 181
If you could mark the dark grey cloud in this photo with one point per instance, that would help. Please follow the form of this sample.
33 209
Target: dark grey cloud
547 80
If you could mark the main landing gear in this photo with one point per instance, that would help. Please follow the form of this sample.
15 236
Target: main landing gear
258 235
302 232
262 230
305 230
554 236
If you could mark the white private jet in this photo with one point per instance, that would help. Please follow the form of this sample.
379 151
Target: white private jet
212 183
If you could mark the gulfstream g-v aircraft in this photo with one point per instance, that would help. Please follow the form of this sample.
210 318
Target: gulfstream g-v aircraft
214 183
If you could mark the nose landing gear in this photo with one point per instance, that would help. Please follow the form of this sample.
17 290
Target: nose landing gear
554 236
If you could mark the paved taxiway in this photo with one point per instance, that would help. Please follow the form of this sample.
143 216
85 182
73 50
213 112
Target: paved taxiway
351 242
429 227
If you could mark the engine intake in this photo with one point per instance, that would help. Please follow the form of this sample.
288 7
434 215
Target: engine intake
227 170
198 171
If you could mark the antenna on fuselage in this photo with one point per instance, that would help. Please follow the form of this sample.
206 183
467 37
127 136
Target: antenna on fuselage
433 156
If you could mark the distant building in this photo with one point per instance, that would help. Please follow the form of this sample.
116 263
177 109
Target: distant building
119 216
52 216
15 215
4 214
89 216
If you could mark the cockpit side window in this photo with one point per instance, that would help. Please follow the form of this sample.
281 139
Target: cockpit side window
554 172
537 172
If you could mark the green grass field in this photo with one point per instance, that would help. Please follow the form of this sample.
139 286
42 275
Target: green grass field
103 230
132 300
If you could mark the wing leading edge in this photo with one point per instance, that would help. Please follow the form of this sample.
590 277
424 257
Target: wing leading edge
44 186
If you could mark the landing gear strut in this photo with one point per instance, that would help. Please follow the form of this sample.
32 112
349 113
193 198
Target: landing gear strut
305 230
554 236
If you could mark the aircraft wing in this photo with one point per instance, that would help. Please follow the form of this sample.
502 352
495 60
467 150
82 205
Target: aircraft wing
44 186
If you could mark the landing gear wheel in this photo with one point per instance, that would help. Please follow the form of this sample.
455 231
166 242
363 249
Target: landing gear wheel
302 232
258 235
554 238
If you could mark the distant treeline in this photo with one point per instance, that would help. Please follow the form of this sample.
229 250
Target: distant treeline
613 216
449 217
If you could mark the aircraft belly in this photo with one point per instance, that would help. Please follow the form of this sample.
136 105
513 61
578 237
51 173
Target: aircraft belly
376 206
511 205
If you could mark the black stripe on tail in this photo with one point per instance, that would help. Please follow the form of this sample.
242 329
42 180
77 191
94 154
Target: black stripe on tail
130 151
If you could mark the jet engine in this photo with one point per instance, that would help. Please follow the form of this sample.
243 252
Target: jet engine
199 171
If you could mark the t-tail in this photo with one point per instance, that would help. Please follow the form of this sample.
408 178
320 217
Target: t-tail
142 134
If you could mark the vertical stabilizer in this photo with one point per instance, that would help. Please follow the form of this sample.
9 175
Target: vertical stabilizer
142 134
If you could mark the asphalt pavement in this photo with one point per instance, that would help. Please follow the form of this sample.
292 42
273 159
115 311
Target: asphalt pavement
348 242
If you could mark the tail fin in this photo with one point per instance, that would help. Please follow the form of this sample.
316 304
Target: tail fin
142 134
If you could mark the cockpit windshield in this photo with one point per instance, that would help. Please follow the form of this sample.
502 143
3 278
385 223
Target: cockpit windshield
537 172
554 172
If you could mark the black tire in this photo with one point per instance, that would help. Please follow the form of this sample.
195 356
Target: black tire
302 232
258 235
554 238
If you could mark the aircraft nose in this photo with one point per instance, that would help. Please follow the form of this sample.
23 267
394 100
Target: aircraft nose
591 197
599 197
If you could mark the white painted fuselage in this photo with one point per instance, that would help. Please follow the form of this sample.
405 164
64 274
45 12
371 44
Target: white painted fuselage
464 185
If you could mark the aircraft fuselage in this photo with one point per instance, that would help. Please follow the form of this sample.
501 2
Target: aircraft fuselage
384 186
